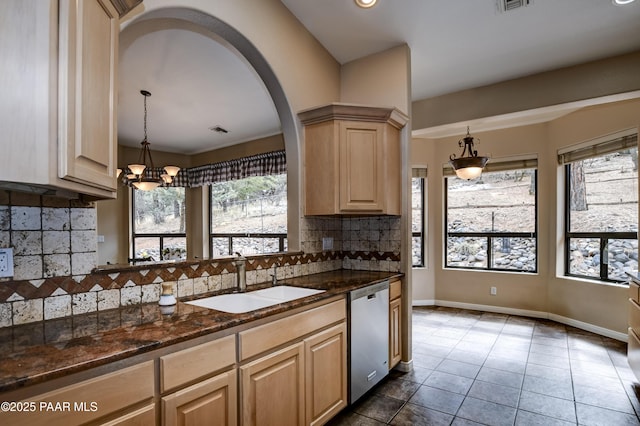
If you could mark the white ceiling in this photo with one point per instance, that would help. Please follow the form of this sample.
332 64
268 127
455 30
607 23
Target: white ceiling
197 82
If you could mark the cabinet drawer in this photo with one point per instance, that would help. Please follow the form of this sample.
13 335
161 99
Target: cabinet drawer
142 416
88 400
633 353
274 334
634 291
395 289
190 364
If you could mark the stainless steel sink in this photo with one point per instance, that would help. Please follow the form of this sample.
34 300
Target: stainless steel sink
237 303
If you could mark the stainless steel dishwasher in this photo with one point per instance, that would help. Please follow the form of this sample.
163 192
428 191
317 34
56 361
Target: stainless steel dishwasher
368 337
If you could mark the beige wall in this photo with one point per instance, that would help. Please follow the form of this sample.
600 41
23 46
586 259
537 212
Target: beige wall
423 279
569 300
383 79
616 76
308 74
259 146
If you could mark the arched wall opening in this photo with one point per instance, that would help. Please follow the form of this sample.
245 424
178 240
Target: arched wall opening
289 124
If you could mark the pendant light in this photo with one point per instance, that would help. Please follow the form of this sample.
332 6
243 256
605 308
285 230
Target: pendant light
141 173
469 167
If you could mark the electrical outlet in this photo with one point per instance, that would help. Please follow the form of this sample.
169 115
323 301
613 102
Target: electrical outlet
6 262
327 243
494 291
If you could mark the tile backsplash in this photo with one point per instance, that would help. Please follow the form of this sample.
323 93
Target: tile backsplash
50 236
55 253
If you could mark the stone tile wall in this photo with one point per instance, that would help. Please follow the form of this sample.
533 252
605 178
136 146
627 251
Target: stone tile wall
371 243
50 236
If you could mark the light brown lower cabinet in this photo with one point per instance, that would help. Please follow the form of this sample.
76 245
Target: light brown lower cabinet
295 371
290 371
111 399
211 402
395 330
302 384
272 388
395 351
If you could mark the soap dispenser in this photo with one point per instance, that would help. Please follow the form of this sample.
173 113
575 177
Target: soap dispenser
166 297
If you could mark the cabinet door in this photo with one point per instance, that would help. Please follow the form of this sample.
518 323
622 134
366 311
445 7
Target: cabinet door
361 167
326 374
88 48
272 389
211 402
395 340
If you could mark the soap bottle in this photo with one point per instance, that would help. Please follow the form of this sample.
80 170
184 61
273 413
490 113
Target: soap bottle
166 297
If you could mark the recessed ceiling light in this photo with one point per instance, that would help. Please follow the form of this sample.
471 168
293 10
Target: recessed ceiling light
621 2
366 3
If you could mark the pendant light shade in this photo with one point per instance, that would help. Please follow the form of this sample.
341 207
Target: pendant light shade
470 166
141 174
146 184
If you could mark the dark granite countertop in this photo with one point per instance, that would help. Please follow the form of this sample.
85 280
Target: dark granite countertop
34 353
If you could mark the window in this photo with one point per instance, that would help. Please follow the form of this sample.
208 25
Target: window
491 222
158 219
249 215
417 217
601 210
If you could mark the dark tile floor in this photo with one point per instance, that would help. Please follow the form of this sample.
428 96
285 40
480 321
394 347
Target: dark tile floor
474 367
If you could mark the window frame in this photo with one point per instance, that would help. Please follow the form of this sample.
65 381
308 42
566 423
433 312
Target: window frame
420 233
161 235
491 235
230 236
601 235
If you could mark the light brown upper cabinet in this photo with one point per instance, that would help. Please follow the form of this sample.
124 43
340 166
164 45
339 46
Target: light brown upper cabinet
60 131
352 160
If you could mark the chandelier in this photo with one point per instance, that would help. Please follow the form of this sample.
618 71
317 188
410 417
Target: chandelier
142 175
469 167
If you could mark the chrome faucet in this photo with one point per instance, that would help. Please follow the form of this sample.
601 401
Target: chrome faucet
274 277
241 272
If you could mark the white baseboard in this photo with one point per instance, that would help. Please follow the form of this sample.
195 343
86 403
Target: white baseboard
491 308
429 302
527 313
623 337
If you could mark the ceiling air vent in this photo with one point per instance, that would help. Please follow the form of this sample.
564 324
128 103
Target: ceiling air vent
509 5
218 129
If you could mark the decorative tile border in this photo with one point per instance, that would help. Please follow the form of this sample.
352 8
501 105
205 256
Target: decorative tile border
11 291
